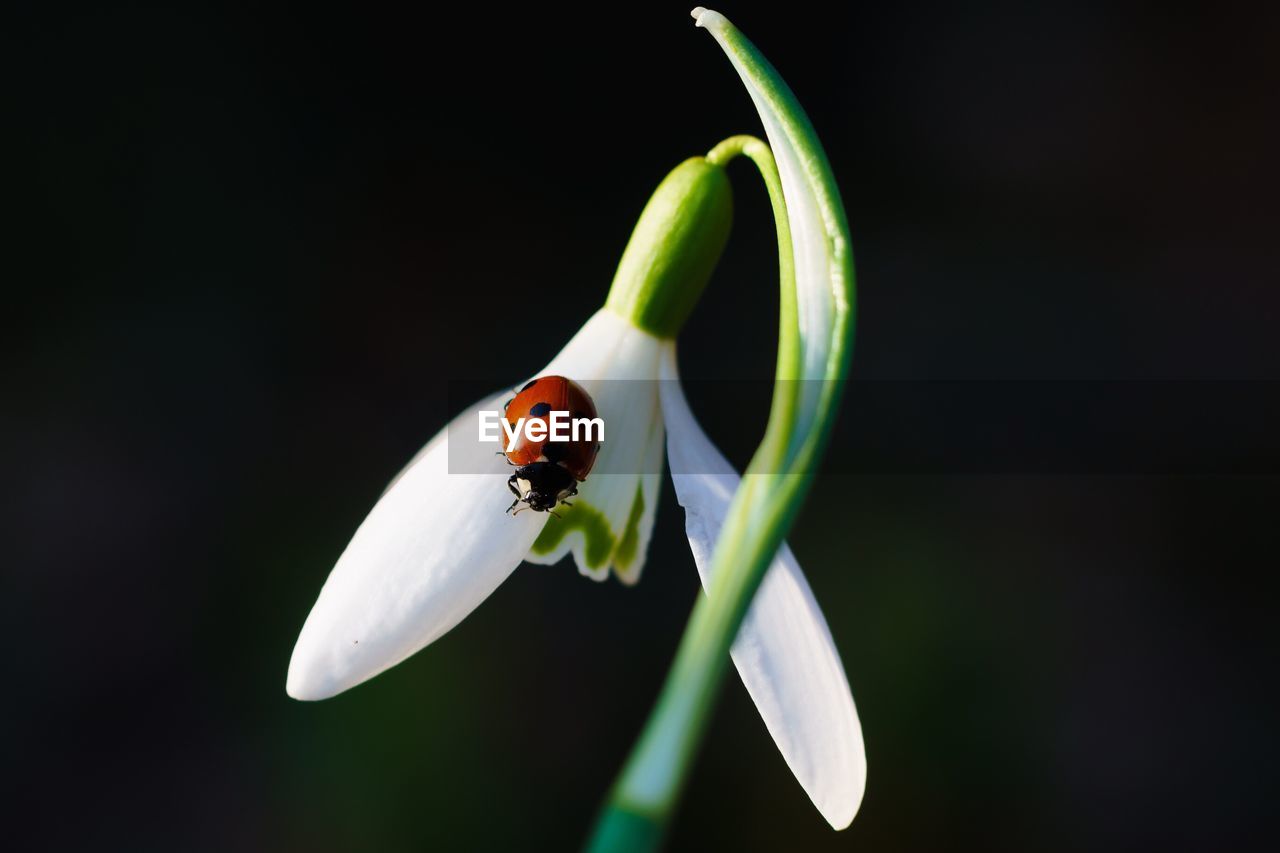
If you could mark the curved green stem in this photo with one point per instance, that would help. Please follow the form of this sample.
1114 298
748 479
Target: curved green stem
803 194
782 412
649 786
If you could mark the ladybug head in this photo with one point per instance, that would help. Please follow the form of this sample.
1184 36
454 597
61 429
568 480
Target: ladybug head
541 486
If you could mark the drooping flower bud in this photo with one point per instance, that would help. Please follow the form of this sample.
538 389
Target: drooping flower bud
674 247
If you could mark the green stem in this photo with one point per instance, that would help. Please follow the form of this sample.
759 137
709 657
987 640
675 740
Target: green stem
779 475
650 784
790 356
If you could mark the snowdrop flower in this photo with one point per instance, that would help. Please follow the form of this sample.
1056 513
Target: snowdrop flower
438 543
439 540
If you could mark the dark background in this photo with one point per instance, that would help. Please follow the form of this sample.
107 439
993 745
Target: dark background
248 249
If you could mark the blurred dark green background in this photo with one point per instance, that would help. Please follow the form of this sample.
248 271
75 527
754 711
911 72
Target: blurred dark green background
249 248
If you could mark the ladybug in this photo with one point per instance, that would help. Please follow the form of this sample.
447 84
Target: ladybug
548 471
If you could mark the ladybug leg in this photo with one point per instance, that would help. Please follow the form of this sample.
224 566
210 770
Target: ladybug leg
553 512
511 484
565 503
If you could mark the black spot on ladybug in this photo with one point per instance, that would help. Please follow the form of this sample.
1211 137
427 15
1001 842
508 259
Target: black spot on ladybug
532 382
540 410
555 451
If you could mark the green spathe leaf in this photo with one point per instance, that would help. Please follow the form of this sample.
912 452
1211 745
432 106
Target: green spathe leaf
822 256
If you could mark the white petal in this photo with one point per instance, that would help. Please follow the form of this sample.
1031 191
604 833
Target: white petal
433 547
617 364
784 651
436 544
594 352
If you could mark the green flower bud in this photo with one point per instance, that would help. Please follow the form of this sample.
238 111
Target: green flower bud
675 246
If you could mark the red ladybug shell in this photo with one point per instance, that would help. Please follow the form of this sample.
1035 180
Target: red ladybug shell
540 397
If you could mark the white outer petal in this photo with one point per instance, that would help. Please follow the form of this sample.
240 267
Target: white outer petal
783 651
434 546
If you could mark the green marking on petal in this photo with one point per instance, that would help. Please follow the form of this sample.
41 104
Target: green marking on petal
630 542
586 518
